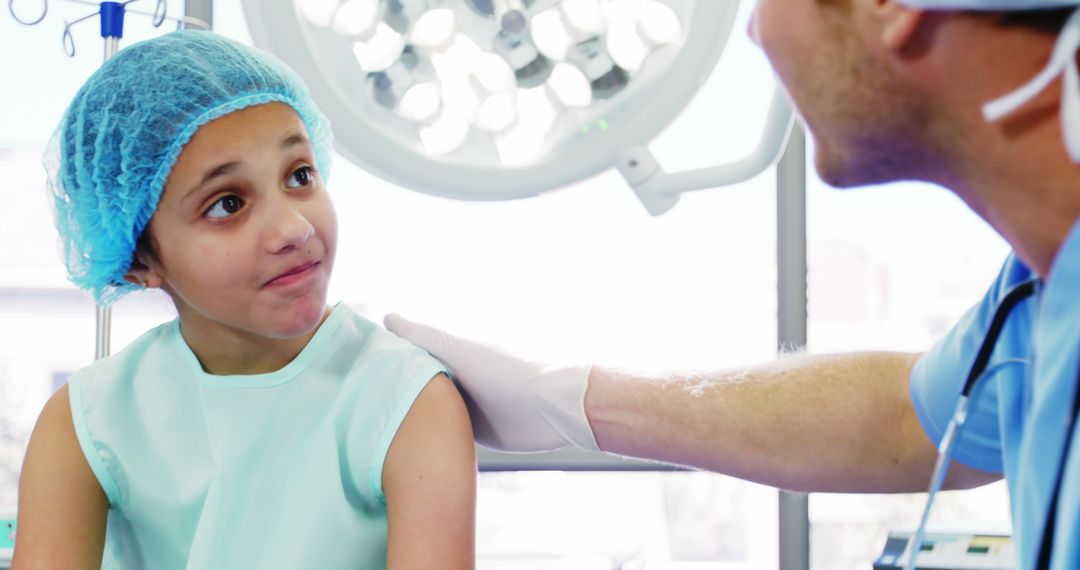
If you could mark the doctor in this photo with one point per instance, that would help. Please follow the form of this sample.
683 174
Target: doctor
979 96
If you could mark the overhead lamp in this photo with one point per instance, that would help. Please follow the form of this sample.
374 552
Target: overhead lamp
504 99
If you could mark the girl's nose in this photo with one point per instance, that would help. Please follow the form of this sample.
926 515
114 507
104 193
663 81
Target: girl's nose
289 229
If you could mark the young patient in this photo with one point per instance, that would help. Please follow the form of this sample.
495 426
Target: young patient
261 428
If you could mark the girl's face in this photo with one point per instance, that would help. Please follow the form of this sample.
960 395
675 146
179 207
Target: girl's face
245 232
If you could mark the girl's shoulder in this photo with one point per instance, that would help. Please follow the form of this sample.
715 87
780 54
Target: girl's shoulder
126 364
368 346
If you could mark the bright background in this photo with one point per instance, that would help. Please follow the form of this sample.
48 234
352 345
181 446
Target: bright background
579 274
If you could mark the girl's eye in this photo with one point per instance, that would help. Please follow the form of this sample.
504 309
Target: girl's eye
302 176
225 207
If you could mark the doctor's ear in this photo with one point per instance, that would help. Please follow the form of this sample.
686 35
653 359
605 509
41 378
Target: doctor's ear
899 24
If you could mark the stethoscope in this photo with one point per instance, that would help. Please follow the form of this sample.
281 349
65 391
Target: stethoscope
959 417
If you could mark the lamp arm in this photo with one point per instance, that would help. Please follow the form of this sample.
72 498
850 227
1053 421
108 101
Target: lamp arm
659 191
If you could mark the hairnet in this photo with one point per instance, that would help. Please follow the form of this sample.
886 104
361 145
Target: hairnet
1062 64
121 135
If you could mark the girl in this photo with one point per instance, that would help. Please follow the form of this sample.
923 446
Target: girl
261 428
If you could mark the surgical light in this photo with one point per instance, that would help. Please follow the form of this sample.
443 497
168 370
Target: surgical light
355 18
531 68
445 135
551 35
379 51
569 86
421 102
584 18
456 59
503 99
319 12
434 30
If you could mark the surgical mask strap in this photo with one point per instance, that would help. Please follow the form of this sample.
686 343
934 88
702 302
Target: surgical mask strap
1063 60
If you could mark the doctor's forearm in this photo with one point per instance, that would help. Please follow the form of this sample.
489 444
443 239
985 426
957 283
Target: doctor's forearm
807 423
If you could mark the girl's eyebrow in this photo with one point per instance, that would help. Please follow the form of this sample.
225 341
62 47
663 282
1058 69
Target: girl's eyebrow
223 169
218 171
293 140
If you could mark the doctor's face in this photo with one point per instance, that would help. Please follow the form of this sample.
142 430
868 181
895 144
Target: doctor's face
859 112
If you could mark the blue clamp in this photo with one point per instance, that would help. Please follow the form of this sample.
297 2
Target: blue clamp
112 20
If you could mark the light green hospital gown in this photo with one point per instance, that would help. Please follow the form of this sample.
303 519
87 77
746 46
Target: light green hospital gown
279 470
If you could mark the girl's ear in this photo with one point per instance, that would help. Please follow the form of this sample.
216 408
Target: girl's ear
143 272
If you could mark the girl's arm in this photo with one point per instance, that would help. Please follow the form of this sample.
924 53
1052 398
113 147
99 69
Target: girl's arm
62 509
429 479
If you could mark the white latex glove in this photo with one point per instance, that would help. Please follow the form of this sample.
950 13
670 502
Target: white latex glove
515 405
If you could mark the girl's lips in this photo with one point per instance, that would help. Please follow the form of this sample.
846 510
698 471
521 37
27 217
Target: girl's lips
294 275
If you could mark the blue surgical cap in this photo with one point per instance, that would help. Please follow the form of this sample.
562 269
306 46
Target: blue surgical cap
1062 64
121 135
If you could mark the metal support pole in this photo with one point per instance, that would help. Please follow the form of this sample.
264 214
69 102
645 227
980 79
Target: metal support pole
104 329
112 45
201 9
791 321
103 319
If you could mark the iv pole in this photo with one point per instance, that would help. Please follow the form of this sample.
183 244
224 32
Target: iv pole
112 30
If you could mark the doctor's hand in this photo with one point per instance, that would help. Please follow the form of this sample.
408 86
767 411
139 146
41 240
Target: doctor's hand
515 405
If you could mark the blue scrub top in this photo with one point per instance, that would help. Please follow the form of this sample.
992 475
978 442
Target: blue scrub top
1022 407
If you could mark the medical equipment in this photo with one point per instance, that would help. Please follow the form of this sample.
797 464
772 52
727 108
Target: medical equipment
112 21
949 550
980 369
112 29
504 99
111 15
